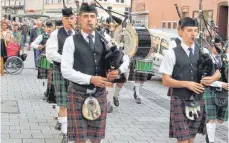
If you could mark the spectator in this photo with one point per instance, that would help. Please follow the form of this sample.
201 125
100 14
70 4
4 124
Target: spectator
35 32
6 33
18 38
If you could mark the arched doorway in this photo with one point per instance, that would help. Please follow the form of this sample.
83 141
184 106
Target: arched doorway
223 19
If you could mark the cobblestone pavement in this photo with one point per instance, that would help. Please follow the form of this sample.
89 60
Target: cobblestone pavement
129 123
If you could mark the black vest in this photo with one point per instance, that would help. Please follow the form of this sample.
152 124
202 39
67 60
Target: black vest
61 37
45 37
185 69
178 41
87 60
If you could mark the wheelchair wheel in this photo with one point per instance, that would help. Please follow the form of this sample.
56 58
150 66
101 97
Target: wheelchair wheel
14 65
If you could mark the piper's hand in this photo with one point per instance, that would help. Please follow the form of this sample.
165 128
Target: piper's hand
207 81
100 81
40 47
112 75
226 85
195 87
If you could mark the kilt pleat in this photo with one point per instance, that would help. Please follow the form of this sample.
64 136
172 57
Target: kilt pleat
136 76
79 128
212 110
180 126
61 86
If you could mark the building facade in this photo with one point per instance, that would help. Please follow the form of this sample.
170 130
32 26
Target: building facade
53 7
11 7
163 14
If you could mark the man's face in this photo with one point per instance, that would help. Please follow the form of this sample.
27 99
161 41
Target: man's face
189 34
4 26
39 24
87 19
15 28
68 22
9 23
49 29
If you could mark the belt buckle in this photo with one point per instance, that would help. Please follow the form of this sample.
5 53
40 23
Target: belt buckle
219 89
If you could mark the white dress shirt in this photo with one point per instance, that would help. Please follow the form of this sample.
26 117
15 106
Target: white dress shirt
169 60
68 60
216 83
173 43
52 47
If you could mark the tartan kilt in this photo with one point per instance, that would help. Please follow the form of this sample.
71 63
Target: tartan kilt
61 86
180 126
212 110
136 76
79 128
43 67
42 73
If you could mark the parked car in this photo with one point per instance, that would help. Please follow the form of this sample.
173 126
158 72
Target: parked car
161 39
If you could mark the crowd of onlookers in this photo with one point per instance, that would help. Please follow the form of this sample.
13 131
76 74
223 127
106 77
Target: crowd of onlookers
17 33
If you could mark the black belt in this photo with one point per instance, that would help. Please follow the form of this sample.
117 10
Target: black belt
85 89
56 63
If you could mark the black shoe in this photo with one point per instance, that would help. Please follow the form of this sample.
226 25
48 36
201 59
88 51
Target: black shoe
138 100
109 107
116 101
135 95
65 138
53 106
58 126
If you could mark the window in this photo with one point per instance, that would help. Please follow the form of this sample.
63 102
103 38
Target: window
127 9
54 1
174 24
117 1
122 1
59 1
184 14
163 24
169 24
164 46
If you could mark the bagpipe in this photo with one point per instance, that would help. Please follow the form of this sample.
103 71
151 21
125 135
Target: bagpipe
114 51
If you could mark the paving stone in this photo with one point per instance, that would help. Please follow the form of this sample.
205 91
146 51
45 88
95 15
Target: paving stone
128 123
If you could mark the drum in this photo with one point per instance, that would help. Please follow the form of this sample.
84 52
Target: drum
137 41
144 66
44 63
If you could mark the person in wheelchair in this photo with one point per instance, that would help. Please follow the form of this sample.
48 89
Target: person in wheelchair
17 36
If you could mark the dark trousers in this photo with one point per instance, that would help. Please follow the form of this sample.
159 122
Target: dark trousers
36 57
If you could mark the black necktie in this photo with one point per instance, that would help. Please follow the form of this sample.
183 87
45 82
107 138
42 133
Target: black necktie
69 32
191 52
91 43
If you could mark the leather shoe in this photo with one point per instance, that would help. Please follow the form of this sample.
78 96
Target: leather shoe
138 100
109 107
116 101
